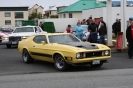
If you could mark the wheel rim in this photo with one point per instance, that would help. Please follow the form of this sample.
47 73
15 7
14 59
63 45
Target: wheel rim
59 62
25 56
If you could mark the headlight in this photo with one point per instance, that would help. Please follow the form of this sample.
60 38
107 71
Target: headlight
25 37
79 55
106 53
5 38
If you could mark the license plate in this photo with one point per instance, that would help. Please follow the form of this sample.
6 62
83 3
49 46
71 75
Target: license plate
14 42
96 62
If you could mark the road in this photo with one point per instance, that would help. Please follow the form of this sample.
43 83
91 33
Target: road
11 63
120 78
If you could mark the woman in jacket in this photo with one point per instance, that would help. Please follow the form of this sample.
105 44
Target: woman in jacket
79 31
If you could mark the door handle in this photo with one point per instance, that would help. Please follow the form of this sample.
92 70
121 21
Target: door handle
33 46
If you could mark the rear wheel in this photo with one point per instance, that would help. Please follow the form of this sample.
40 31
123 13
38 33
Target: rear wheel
26 57
60 63
8 46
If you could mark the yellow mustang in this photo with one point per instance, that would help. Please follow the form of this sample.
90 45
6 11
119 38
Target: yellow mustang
63 49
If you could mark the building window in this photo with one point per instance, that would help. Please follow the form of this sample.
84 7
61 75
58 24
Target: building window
19 15
7 14
7 22
70 15
64 15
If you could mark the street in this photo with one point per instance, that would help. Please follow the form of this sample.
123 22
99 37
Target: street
11 63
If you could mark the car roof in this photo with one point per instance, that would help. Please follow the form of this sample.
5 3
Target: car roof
48 34
26 26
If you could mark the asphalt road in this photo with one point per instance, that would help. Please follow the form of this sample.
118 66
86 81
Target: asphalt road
11 64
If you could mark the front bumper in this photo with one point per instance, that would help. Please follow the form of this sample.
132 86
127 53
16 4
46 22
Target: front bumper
3 42
85 61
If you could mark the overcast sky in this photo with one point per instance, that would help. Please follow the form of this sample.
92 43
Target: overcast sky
43 3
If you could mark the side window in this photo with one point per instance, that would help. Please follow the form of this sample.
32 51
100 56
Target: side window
40 38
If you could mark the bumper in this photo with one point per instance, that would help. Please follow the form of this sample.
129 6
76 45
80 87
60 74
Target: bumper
85 61
13 42
3 42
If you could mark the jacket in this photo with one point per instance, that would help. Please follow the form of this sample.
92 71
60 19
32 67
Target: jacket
102 31
92 27
129 34
79 30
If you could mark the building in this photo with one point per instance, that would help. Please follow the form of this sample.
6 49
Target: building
59 8
52 11
75 10
13 16
36 9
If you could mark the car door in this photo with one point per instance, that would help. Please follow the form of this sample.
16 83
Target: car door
41 51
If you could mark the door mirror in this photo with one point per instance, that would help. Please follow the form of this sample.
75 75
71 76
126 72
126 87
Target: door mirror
43 42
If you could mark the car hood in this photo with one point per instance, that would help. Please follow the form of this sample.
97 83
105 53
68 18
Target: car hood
81 45
22 34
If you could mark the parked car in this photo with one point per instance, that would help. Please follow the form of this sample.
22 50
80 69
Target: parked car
6 29
3 38
85 32
63 49
21 33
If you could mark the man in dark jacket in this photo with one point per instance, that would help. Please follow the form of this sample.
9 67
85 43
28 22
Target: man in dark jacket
92 28
129 36
101 21
116 27
41 25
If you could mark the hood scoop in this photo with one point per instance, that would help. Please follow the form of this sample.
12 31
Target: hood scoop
82 45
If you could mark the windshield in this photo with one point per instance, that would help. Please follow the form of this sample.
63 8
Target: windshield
5 29
62 38
24 29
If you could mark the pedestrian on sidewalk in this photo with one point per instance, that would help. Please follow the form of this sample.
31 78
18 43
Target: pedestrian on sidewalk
79 30
129 37
92 28
116 27
102 33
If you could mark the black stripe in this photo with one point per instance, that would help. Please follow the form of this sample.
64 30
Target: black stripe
41 54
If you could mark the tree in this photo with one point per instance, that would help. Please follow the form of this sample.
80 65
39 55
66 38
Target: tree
39 15
54 16
34 15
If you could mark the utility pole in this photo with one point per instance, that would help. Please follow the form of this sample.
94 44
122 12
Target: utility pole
109 23
124 21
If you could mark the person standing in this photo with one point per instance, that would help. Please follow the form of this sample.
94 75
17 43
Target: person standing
117 27
79 30
101 21
129 37
92 28
41 25
88 21
102 33
68 30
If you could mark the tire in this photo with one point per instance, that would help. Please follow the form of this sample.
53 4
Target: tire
8 46
97 65
60 63
26 57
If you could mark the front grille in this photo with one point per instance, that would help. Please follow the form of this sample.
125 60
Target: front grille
15 38
93 54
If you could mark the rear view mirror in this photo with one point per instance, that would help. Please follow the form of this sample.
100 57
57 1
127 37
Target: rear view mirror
43 42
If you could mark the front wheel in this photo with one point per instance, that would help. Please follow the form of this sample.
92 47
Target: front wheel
26 57
60 63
